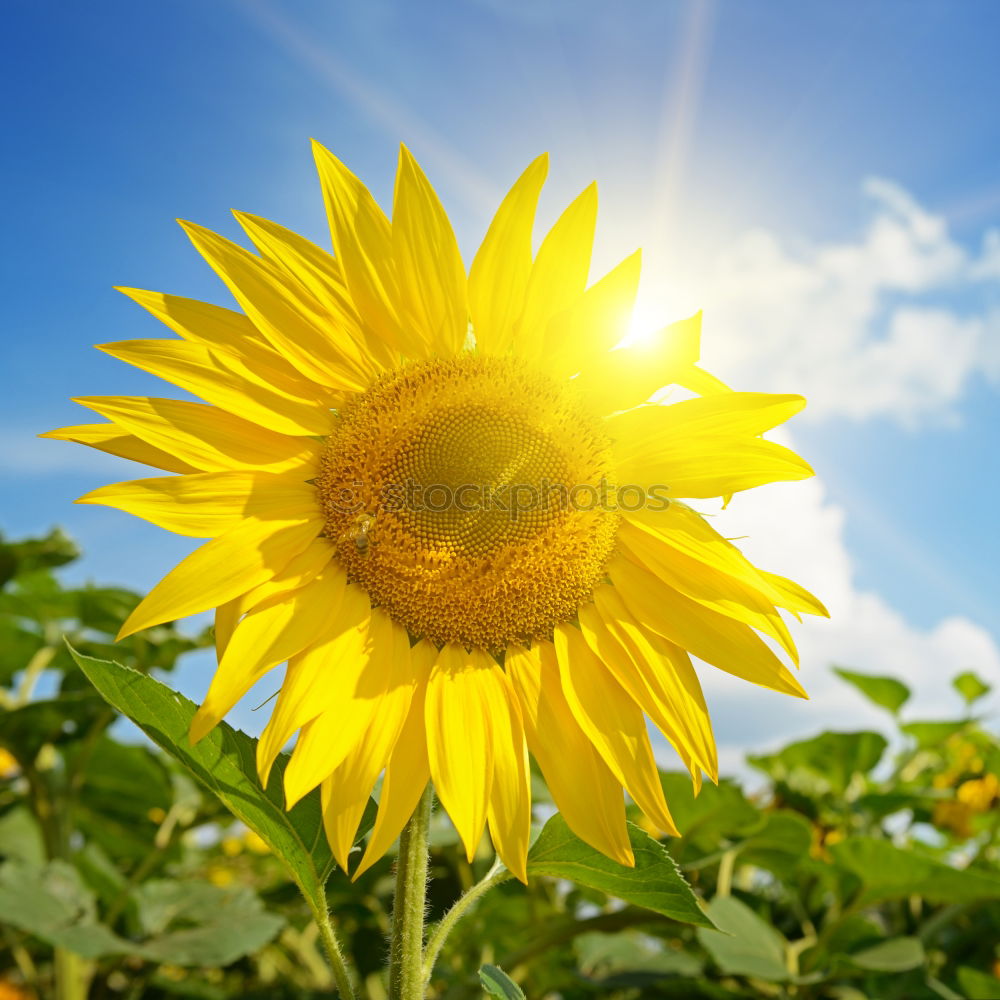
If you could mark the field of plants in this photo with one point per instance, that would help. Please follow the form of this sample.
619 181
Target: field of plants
860 866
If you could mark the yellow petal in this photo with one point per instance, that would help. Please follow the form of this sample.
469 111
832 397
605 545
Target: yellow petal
225 382
559 273
408 770
657 674
702 467
320 273
230 333
284 312
307 565
613 722
687 532
346 790
206 504
223 568
362 243
267 636
204 436
624 378
793 597
598 320
112 440
712 589
584 789
498 277
461 698
700 381
650 432
430 275
332 692
509 812
638 669
729 645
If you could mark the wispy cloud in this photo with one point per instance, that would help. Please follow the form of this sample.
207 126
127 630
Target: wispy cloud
896 322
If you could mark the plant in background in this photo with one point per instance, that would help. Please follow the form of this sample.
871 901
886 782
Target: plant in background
120 877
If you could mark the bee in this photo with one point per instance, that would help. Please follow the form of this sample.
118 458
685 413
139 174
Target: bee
361 533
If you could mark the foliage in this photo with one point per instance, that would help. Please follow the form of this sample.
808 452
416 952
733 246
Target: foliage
133 865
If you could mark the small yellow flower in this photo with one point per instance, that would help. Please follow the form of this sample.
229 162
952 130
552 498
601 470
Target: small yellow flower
9 767
156 814
231 846
448 504
979 794
12 991
955 817
220 875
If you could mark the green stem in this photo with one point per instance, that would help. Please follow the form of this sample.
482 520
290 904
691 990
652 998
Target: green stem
334 954
494 876
72 975
406 981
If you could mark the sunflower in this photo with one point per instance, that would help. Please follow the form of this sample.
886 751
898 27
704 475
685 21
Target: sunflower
448 505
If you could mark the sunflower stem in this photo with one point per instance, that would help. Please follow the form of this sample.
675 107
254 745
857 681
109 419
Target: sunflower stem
334 954
406 953
493 877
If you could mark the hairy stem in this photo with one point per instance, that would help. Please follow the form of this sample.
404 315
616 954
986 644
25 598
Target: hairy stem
406 981
493 877
334 954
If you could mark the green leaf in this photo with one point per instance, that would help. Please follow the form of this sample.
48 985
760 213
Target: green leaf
933 732
888 872
224 761
978 985
970 687
21 836
16 558
717 811
25 730
496 983
195 923
779 845
897 955
825 764
633 955
744 945
654 883
52 903
886 692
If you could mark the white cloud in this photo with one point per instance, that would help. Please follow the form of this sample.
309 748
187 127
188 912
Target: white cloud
794 530
863 328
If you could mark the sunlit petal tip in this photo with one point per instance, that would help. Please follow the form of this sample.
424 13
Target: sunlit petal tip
202 724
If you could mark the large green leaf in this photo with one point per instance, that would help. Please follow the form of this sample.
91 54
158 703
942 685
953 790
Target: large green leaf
779 844
886 692
978 985
744 945
183 923
825 764
888 872
896 955
654 883
51 902
224 761
196 923
717 811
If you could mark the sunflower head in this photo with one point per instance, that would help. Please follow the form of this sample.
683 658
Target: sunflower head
449 505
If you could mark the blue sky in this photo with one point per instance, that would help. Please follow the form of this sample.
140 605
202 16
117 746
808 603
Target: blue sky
727 138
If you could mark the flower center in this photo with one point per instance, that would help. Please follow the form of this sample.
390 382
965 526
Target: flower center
466 496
